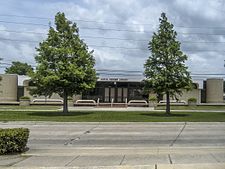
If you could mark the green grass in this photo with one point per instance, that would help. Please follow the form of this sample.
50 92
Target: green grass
33 107
185 107
107 116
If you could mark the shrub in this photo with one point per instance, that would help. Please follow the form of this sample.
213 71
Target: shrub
24 98
69 98
193 100
13 140
152 98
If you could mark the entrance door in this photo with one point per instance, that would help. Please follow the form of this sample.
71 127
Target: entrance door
119 95
109 94
124 94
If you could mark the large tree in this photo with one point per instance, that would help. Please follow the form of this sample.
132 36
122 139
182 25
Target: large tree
165 69
64 63
19 68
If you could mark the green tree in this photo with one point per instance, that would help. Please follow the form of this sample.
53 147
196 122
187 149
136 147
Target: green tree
165 69
19 68
64 63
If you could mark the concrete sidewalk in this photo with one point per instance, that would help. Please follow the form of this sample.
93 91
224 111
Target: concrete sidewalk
125 109
101 162
156 166
111 108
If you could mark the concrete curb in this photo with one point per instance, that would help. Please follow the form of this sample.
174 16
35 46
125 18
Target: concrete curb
103 123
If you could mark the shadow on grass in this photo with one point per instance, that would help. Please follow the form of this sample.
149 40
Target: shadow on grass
52 114
165 115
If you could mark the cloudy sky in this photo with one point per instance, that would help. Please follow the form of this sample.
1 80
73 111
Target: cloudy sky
118 31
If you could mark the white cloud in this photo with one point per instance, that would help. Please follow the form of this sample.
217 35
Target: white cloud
131 15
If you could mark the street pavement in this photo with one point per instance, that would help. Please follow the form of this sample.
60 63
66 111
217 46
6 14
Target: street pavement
120 145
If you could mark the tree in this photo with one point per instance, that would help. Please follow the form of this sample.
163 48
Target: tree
64 63
165 69
19 68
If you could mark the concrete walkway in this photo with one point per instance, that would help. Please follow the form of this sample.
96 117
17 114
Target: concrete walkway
133 109
111 109
122 109
120 145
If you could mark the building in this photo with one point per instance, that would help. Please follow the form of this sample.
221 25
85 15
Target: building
8 88
118 90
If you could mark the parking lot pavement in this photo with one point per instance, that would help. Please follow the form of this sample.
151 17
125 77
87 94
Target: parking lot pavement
54 144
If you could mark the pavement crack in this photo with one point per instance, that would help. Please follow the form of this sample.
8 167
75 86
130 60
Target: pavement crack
79 137
173 142
72 140
72 160
91 129
170 159
17 162
218 161
86 132
121 162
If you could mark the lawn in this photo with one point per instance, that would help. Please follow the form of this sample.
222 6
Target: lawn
107 116
186 107
33 107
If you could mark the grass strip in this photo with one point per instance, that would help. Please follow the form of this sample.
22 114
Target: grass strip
112 116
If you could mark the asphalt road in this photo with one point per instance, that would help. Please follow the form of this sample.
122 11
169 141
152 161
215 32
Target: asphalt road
119 144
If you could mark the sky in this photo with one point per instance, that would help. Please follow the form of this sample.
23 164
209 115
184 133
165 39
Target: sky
118 31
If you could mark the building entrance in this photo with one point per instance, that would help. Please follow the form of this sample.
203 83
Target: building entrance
119 92
118 95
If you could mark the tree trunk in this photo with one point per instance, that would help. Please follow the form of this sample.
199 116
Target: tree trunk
65 104
167 103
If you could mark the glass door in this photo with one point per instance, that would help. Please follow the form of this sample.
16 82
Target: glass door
109 94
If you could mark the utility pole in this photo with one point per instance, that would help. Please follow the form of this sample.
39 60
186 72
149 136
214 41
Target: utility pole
1 60
0 67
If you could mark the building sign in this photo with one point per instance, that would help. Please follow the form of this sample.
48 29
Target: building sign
113 79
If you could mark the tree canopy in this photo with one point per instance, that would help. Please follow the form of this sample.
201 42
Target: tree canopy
64 63
19 68
165 69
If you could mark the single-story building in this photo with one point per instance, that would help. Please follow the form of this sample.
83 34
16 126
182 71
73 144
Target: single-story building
118 90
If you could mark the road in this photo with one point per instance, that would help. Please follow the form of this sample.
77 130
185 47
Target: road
120 144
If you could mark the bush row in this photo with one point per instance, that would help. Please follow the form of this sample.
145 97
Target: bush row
13 140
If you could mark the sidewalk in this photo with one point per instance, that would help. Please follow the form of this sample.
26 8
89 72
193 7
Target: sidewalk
101 162
111 108
153 166
134 109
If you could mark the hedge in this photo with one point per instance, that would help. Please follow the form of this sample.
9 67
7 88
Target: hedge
192 99
13 140
24 98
